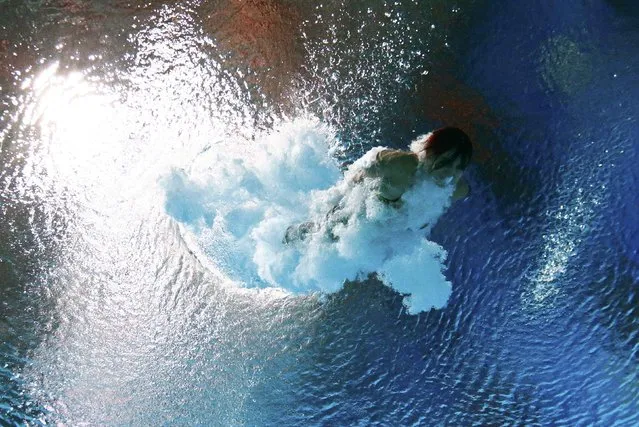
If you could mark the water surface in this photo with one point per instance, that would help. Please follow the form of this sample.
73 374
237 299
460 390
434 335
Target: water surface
110 315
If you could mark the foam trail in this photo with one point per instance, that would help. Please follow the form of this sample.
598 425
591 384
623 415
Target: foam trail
238 208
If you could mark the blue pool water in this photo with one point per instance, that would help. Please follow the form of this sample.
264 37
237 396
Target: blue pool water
123 129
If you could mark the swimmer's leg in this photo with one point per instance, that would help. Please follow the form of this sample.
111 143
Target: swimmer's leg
299 232
335 217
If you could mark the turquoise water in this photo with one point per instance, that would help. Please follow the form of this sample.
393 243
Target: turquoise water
129 132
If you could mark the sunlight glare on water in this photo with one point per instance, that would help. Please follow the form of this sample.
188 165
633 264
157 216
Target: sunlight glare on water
76 125
129 300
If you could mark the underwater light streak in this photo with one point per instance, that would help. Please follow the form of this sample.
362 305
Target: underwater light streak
571 222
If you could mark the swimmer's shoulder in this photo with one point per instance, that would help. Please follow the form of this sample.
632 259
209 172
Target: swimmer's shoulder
404 160
381 162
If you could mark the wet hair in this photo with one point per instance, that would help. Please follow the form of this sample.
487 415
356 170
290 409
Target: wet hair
449 139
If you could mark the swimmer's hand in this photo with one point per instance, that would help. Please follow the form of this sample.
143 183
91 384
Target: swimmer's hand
462 189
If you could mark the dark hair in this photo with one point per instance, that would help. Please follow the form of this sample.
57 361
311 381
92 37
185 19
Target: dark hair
448 139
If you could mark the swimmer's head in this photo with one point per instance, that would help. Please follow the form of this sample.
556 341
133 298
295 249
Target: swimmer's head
444 152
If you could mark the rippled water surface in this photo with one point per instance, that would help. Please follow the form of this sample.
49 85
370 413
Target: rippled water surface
111 313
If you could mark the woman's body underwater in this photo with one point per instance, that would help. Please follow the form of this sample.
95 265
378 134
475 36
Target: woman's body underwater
440 156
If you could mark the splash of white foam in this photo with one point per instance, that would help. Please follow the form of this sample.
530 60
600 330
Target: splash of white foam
239 207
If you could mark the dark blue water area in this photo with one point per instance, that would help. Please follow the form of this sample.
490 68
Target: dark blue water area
581 142
588 135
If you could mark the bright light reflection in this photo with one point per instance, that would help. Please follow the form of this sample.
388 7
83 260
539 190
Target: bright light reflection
125 283
78 125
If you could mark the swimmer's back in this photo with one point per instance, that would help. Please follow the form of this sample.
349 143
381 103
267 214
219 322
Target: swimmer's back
396 171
